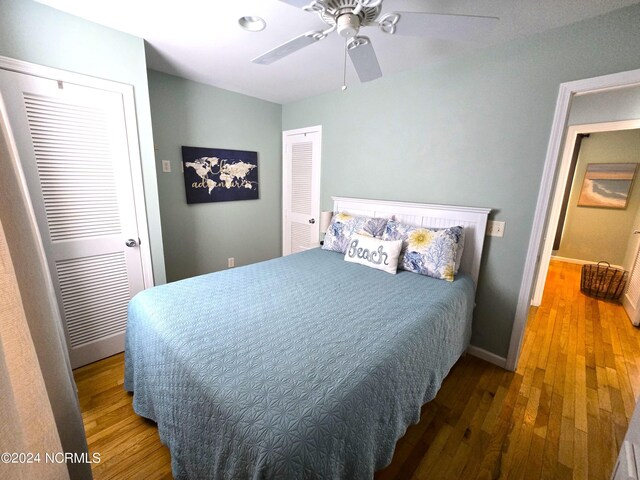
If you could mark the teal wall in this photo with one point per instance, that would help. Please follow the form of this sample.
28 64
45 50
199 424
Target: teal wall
39 34
471 131
199 238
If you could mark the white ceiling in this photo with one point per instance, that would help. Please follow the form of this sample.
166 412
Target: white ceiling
201 40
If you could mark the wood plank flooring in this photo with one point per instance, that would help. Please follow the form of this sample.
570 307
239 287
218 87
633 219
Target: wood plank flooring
562 414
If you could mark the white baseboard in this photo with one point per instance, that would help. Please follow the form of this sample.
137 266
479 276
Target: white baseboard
487 356
578 261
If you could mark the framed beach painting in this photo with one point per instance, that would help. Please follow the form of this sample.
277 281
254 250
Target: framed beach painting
607 185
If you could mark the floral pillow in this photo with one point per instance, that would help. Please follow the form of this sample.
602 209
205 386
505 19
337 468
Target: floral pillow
426 251
343 225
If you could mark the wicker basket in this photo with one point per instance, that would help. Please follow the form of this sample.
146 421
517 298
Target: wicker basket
603 281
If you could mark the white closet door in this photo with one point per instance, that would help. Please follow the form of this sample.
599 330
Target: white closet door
631 297
301 189
74 151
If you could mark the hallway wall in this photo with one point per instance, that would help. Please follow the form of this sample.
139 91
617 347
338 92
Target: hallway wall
594 234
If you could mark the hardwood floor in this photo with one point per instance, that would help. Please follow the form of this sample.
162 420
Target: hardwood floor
128 445
562 414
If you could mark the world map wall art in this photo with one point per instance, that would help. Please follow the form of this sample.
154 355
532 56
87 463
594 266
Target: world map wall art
218 175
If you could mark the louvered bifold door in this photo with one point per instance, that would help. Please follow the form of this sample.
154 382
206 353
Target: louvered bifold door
631 298
73 148
301 179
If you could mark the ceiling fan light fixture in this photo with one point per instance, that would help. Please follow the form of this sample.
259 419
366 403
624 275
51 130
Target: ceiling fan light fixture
252 23
348 25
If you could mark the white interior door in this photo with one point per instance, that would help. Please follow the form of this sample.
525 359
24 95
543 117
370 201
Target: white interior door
74 151
631 297
301 150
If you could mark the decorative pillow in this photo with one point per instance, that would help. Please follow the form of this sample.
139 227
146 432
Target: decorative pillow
343 225
426 251
459 251
374 253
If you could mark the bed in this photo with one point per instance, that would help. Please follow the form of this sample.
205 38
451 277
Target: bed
304 366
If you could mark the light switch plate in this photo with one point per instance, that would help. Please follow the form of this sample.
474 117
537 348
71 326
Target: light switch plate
495 228
166 166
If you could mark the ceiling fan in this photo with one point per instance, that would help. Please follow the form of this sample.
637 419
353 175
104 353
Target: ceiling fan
347 17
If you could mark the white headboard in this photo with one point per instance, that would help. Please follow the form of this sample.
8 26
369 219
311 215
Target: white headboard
473 219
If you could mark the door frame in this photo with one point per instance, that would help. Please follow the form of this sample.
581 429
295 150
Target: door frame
286 173
563 175
540 220
131 125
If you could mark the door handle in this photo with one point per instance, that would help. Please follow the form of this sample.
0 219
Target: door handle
312 221
131 243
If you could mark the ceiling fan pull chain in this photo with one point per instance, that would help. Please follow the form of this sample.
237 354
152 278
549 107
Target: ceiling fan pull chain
344 76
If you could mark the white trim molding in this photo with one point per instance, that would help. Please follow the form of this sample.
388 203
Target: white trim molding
482 354
549 174
577 261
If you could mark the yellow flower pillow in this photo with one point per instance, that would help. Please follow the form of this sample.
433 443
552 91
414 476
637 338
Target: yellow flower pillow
343 225
427 251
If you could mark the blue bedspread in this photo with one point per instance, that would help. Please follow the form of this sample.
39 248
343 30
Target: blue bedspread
304 366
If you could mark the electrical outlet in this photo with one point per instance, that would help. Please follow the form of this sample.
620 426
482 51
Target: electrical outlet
231 262
166 166
495 229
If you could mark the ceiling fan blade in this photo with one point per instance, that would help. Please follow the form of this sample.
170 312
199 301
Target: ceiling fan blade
289 47
297 3
364 59
437 25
